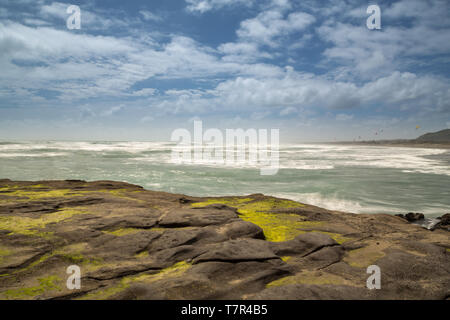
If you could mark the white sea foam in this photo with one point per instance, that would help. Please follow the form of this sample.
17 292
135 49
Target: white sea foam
328 202
298 156
33 155
331 156
315 171
131 147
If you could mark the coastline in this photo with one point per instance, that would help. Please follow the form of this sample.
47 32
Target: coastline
402 144
135 243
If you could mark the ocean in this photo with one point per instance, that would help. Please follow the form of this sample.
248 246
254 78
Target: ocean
359 179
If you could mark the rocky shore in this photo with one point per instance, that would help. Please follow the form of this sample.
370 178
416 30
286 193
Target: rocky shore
131 243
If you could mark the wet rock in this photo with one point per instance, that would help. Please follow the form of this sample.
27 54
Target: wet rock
444 222
411 216
445 219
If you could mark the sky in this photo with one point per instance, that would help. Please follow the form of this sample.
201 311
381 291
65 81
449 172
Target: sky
137 70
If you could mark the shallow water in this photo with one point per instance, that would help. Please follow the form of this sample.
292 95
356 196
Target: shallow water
351 178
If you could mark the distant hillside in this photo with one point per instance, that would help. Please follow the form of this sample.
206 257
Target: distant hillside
440 136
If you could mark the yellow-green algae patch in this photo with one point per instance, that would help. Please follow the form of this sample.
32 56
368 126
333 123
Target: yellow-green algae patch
123 232
277 227
4 252
366 256
31 226
311 278
46 284
34 195
171 272
143 254
40 192
73 253
123 193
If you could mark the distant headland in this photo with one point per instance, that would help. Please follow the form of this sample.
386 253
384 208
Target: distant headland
439 139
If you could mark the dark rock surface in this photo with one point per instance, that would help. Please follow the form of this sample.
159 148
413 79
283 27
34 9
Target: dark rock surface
131 243
444 222
411 216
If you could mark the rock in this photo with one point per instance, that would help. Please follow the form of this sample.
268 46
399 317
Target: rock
444 222
411 216
303 244
238 250
445 219
211 215
131 243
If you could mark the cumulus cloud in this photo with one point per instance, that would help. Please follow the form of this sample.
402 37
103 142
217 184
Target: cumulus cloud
207 5
357 68
271 24
370 54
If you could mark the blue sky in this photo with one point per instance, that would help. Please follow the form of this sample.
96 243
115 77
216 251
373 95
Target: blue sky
137 70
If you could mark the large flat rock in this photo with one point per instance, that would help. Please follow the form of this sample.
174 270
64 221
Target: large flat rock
132 243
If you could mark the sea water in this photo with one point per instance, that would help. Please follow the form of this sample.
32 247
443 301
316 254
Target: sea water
360 179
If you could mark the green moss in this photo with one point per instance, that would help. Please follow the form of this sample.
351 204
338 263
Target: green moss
232 202
32 226
286 258
276 226
35 195
309 277
41 192
123 232
4 252
143 254
45 285
172 272
73 253
364 257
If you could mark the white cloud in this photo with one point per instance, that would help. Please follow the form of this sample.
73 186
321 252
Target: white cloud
242 51
370 54
56 9
81 66
150 16
145 92
89 19
344 117
113 110
202 6
271 24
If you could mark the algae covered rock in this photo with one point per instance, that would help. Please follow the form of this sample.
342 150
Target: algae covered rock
131 243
